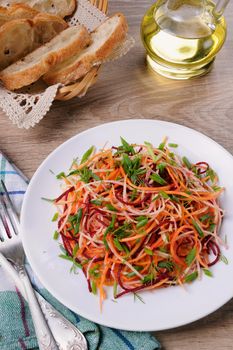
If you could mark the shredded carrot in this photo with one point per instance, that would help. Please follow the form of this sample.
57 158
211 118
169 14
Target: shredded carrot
137 217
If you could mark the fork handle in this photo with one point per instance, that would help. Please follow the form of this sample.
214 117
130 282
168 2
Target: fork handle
67 336
44 336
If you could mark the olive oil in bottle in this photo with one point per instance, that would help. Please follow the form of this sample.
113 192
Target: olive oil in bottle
182 37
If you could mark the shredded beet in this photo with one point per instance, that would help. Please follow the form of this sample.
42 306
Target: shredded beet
64 194
199 165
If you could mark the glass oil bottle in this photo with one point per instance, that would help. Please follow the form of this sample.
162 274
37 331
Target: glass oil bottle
182 37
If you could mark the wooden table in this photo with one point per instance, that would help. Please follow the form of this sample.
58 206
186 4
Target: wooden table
126 89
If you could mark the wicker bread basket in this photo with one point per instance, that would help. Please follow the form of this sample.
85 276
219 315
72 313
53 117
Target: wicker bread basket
79 88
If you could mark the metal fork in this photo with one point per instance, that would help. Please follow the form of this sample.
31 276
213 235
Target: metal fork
64 334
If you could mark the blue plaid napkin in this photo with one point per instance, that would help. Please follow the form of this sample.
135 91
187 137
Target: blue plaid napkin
16 328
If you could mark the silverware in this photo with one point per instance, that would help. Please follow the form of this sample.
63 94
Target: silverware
67 336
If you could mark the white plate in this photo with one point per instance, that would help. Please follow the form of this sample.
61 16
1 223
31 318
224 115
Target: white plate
164 308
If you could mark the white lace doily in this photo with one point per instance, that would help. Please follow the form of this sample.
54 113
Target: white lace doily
26 109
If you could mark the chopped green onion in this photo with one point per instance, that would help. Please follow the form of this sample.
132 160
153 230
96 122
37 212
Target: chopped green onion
148 278
205 217
191 256
173 145
142 221
191 277
171 155
75 249
66 257
75 220
55 217
207 273
164 195
166 264
93 288
161 166
137 296
133 194
157 178
63 249
126 146
131 274
87 155
148 251
211 174
216 188
212 227
118 244
174 198
96 202
95 271
48 199
60 175
162 145
198 229
110 207
56 235
187 162
115 289
150 151
224 259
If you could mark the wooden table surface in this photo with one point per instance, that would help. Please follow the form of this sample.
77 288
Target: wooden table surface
126 89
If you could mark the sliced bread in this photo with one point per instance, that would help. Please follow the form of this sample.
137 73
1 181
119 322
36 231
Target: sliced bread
21 36
104 39
47 26
60 8
16 11
33 66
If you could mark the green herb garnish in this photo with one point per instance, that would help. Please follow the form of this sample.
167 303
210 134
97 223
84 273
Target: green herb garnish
224 259
142 221
148 251
148 278
96 202
60 175
187 162
164 195
126 147
173 145
87 154
191 277
132 274
75 250
110 207
56 235
137 296
162 145
55 217
198 229
157 178
166 265
191 256
161 166
132 167
207 272
205 217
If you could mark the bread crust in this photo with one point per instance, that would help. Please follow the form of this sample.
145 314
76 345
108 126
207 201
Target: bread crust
60 8
16 11
77 69
21 36
27 74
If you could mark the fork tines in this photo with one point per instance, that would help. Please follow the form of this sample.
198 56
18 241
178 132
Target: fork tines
9 222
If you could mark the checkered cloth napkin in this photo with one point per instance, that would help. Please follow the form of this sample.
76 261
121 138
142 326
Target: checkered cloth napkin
16 328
